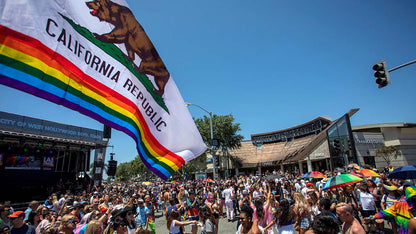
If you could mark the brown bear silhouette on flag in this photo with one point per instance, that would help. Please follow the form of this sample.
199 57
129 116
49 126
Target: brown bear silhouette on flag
128 30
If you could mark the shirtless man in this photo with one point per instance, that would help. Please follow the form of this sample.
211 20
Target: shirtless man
350 224
412 225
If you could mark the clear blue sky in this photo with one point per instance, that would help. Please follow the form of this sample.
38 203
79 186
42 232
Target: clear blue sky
271 64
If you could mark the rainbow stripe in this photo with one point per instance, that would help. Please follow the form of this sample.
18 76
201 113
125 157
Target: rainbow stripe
401 211
30 66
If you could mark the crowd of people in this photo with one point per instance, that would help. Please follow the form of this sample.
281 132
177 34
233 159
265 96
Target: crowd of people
277 203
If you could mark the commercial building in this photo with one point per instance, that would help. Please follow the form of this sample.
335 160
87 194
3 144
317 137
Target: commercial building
369 138
322 144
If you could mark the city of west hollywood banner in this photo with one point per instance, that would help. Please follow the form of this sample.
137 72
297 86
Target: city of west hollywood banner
94 57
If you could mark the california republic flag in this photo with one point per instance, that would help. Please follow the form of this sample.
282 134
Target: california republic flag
94 57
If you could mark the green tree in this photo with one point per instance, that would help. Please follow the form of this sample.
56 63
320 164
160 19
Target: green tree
388 153
129 170
124 171
137 166
224 129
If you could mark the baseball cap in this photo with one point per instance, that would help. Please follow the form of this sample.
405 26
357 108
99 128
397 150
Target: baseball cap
245 192
78 205
410 192
16 214
390 188
140 200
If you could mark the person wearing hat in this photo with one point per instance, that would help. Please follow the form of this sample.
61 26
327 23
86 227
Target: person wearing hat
401 211
128 216
142 211
388 200
18 224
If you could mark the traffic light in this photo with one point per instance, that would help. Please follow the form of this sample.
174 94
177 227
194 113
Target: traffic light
381 73
112 168
216 142
337 145
217 161
349 145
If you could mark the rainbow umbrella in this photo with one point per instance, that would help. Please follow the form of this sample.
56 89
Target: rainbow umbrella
341 181
316 175
354 165
174 182
209 180
147 183
356 174
306 175
367 173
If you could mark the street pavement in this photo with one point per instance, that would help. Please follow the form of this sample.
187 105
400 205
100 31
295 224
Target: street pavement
223 227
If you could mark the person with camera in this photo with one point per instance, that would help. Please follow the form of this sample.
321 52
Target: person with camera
193 204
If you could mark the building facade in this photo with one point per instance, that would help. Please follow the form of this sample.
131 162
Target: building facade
333 145
39 156
369 138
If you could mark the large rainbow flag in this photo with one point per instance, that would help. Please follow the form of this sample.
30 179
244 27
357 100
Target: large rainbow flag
94 57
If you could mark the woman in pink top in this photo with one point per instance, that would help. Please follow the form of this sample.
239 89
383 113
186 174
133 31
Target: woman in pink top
262 211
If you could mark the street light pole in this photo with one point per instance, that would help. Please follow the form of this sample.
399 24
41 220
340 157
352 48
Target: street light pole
214 170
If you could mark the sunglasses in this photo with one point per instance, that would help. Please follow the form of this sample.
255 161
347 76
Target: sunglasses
72 221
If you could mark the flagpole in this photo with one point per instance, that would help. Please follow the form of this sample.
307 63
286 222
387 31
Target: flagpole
214 169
